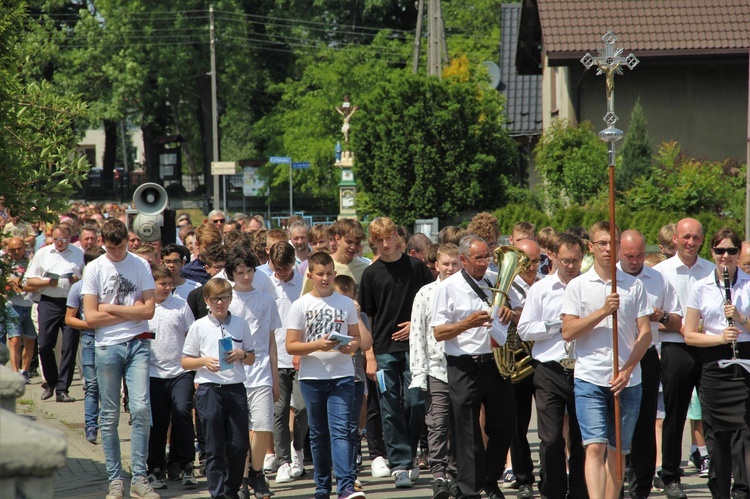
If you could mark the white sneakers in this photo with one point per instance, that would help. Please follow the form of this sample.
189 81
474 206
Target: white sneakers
269 464
284 474
298 467
380 468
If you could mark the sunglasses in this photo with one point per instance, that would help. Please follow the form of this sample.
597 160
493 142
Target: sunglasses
219 220
729 251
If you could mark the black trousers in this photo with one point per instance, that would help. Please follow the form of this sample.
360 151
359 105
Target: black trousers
282 438
171 400
554 395
223 412
473 384
374 424
51 320
681 366
643 448
520 451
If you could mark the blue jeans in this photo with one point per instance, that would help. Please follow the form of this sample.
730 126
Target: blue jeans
403 415
90 385
127 361
359 398
329 405
596 410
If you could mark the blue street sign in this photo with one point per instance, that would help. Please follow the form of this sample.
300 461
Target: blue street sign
301 165
280 159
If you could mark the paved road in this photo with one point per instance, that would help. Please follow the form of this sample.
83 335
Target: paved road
85 477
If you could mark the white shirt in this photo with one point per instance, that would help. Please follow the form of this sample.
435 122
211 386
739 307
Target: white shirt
203 341
118 283
50 261
262 282
317 317
184 289
585 295
260 312
171 321
682 278
426 354
455 300
265 268
517 299
286 294
543 304
708 299
661 295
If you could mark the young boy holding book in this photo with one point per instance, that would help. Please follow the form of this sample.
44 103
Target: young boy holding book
322 328
220 398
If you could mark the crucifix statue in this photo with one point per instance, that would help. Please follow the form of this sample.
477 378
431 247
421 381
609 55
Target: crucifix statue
346 110
609 62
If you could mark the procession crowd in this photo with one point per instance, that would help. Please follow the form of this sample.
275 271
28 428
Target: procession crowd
251 347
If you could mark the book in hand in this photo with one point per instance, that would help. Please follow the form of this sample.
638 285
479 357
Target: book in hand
225 345
343 339
58 276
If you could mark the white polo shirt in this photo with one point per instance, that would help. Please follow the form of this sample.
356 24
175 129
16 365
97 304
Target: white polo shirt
171 321
708 297
455 300
543 304
286 294
682 278
585 295
661 295
50 261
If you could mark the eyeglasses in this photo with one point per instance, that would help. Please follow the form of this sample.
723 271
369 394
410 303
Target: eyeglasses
223 299
480 261
64 240
603 244
171 262
729 251
219 220
570 262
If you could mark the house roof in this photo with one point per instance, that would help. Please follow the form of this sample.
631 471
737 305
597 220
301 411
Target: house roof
523 93
567 29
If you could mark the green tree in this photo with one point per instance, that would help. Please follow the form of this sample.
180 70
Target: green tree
38 132
428 148
572 162
636 151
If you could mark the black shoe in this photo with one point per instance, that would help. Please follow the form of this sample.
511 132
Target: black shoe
174 472
440 489
260 486
658 483
64 397
674 490
454 488
47 393
525 492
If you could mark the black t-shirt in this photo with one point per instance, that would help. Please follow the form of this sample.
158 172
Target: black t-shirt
386 294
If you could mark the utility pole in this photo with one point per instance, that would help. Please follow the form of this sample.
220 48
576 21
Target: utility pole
214 106
437 51
418 37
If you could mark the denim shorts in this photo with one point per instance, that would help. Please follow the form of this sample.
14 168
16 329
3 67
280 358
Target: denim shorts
25 326
596 410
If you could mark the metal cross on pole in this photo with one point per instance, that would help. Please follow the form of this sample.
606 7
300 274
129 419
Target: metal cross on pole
609 62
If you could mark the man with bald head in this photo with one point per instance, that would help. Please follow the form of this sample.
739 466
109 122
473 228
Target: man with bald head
667 316
680 363
520 452
745 257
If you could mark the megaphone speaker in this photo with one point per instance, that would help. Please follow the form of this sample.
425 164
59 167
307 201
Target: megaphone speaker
148 227
150 199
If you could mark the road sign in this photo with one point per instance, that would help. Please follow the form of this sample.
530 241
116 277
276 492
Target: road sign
301 165
280 159
223 168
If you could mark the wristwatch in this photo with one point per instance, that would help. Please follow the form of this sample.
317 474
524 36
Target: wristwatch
664 319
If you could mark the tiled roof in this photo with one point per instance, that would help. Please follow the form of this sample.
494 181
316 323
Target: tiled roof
649 28
523 93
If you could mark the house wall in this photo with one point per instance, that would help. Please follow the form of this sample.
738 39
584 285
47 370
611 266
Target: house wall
94 138
557 94
702 105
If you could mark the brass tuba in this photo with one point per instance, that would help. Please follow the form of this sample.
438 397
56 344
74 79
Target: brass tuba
514 358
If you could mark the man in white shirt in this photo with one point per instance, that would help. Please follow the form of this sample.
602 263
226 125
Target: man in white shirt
52 271
553 376
666 316
588 307
460 319
681 364
118 301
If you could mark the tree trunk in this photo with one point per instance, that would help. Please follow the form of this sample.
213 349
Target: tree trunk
110 155
151 150
205 123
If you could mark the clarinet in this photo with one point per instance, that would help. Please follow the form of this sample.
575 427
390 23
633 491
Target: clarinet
728 301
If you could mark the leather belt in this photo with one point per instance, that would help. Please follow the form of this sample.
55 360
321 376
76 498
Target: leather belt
480 358
148 335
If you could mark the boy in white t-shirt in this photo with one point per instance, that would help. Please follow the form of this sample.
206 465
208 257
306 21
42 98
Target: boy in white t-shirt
220 398
326 374
171 386
118 300
259 310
